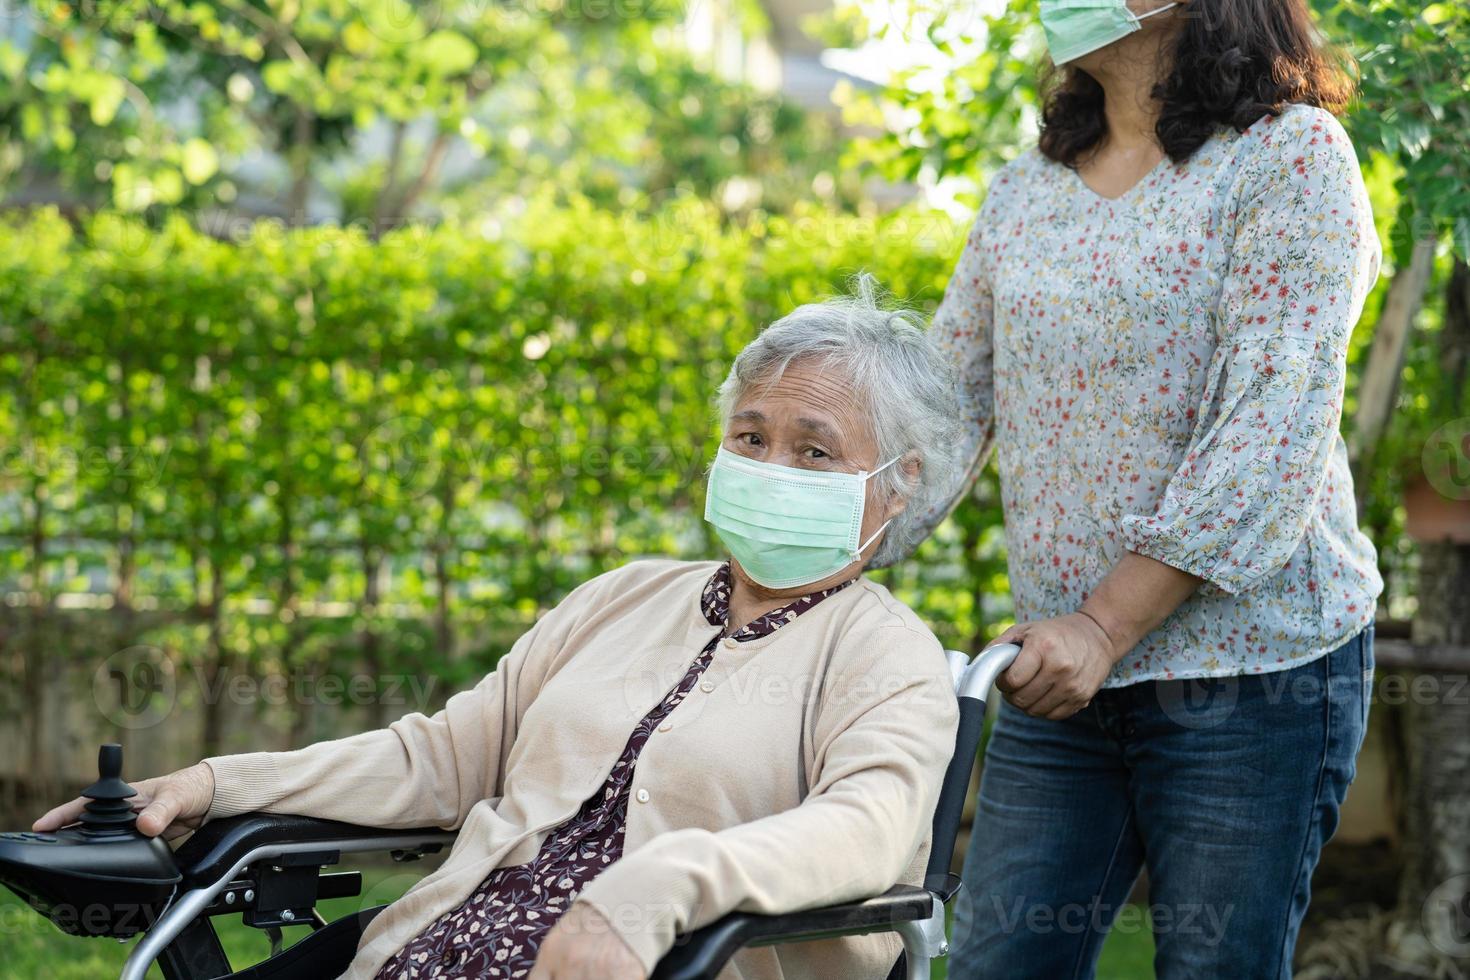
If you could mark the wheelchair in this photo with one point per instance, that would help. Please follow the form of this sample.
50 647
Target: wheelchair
102 878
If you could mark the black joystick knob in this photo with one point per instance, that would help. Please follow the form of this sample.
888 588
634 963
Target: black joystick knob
108 813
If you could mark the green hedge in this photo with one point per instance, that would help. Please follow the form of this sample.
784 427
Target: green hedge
307 447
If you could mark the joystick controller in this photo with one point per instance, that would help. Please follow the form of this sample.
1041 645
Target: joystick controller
108 813
99 877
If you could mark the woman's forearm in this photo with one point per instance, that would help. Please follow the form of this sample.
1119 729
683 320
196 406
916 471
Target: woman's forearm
1135 597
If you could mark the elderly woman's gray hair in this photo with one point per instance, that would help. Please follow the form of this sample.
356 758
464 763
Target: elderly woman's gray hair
897 372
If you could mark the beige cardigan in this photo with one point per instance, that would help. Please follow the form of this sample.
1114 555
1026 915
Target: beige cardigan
802 770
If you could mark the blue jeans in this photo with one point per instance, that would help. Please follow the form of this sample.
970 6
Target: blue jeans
1226 789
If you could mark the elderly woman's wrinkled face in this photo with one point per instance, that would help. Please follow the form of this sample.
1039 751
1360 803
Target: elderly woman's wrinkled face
811 418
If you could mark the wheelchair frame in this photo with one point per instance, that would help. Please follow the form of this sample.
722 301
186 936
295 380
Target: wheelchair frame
269 867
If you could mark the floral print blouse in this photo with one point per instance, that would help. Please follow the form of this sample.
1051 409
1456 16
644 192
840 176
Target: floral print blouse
497 931
1163 373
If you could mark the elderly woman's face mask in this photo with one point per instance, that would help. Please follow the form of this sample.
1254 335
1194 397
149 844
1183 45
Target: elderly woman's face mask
787 527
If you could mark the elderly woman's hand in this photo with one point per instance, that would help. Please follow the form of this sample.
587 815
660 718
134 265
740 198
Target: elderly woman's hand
583 946
171 805
1062 663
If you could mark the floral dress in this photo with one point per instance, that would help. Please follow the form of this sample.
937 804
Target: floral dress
498 930
1163 373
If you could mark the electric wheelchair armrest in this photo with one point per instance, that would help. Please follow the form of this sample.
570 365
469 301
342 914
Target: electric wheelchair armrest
268 867
214 849
916 914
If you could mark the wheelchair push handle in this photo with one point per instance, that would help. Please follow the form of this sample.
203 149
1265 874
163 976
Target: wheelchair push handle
980 676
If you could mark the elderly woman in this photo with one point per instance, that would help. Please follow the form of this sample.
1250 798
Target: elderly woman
678 740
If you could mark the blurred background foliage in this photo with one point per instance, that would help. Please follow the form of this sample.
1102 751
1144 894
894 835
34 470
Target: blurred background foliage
308 450
375 111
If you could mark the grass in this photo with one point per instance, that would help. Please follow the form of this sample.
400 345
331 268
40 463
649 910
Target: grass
1127 954
34 949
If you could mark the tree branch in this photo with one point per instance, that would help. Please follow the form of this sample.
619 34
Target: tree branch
390 179
1386 356
433 159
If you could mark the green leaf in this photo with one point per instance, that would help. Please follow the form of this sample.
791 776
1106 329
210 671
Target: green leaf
168 185
32 122
278 76
12 61
131 191
105 100
357 39
199 161
447 52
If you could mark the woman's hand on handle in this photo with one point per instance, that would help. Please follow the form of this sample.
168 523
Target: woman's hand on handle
583 946
1062 663
170 805
1064 660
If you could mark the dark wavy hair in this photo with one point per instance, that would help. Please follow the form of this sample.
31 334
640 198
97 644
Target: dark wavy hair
1233 62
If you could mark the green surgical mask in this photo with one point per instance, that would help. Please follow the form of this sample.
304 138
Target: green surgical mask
787 526
1077 27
